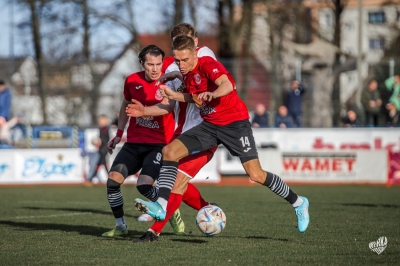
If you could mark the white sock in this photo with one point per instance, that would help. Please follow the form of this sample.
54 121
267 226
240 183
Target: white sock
163 203
298 202
120 222
154 232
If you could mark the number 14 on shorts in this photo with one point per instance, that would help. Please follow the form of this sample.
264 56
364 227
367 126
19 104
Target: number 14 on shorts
245 143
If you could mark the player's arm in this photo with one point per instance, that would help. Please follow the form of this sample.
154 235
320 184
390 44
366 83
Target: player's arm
224 88
167 92
122 120
169 77
136 108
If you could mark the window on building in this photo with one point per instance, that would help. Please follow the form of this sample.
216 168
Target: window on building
376 17
328 19
376 43
348 25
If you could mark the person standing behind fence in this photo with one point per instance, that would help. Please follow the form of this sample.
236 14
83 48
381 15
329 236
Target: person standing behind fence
294 98
101 143
5 101
260 118
371 101
393 84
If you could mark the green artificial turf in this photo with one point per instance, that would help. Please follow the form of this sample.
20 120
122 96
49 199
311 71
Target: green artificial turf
63 226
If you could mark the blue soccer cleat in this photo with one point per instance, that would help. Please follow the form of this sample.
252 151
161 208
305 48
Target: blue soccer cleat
303 217
153 209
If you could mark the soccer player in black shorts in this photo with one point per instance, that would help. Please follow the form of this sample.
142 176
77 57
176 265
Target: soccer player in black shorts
226 121
146 137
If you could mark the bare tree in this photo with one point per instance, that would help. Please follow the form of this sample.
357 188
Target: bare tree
34 22
178 15
338 7
235 39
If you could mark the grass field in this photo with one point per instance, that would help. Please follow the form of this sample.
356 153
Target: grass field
62 226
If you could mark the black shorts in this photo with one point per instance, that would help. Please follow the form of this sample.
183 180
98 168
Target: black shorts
237 137
136 156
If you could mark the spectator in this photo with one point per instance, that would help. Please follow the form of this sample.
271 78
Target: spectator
5 101
393 84
393 118
371 101
294 99
101 143
114 123
350 120
261 118
5 126
282 119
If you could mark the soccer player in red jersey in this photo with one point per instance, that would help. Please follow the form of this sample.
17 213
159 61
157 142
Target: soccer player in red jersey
226 121
146 137
186 116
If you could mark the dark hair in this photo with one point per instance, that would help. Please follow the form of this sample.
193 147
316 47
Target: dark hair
2 82
152 50
103 116
183 42
183 29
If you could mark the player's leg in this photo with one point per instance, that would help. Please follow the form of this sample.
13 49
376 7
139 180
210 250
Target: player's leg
190 167
175 151
94 167
193 141
150 171
126 163
238 139
182 189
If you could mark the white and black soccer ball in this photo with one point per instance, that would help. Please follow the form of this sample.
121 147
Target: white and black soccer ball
211 220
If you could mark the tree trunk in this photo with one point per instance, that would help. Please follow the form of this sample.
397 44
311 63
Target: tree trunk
337 105
35 24
247 41
178 16
192 12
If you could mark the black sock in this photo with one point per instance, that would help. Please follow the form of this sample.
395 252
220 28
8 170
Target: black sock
279 187
167 178
115 199
149 191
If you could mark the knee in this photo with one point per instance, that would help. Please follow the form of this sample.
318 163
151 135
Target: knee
169 154
258 176
112 184
118 173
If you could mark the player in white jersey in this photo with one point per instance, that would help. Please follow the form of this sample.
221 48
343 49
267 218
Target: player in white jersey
187 115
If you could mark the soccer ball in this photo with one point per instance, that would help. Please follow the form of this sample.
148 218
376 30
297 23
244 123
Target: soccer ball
211 220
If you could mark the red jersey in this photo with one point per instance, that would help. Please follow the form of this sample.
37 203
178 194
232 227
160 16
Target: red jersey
152 129
187 115
223 110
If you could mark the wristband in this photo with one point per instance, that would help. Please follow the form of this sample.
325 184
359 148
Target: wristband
119 133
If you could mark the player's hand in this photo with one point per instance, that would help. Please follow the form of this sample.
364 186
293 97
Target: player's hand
135 109
167 92
112 143
169 76
206 96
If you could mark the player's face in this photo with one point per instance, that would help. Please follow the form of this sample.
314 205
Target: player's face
185 59
152 67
